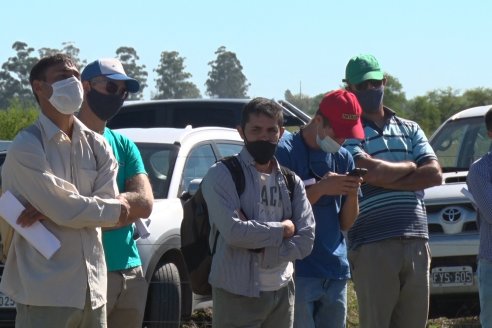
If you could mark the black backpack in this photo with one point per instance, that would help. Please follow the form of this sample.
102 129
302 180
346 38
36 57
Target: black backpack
195 227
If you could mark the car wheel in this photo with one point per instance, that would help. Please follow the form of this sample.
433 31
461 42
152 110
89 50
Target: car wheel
164 299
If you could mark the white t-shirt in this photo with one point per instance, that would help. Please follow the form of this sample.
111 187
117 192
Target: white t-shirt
271 210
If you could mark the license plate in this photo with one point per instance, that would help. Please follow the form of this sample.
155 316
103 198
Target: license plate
6 302
452 276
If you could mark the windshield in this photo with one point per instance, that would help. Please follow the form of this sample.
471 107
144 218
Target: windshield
461 142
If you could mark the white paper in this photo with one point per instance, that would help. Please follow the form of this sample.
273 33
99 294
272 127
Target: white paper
142 229
309 182
468 194
37 234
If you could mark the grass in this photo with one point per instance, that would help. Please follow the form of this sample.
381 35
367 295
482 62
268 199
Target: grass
203 318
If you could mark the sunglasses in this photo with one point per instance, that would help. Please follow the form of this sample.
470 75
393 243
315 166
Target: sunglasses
365 85
112 88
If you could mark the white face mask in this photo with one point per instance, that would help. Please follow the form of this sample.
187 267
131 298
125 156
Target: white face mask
67 95
327 144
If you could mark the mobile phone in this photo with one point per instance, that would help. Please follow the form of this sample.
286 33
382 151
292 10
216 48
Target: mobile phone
358 172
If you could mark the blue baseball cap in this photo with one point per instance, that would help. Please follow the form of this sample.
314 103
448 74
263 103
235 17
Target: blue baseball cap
112 69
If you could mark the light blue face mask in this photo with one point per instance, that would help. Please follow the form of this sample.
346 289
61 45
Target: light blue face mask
327 144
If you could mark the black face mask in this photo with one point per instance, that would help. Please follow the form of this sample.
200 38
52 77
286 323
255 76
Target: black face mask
261 150
370 100
104 106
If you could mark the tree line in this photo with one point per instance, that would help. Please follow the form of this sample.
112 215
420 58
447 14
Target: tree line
225 80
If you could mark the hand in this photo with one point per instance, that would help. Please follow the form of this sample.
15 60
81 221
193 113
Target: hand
124 219
289 228
29 216
336 184
241 215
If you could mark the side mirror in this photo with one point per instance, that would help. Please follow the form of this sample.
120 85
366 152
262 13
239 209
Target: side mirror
193 186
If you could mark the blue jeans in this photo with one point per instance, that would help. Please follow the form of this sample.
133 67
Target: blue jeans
484 271
320 303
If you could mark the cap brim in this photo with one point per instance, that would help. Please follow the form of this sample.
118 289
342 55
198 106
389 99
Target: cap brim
374 75
349 132
132 85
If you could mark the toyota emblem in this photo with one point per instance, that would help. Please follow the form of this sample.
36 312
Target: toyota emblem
451 214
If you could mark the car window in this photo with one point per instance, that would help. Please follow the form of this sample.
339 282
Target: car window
4 144
229 149
199 160
461 142
145 117
179 114
159 162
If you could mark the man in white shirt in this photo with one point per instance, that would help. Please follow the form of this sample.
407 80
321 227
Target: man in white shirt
65 174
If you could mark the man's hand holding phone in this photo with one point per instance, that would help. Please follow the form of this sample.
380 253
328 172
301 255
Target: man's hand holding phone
357 172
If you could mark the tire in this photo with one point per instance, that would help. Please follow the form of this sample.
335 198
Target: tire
163 308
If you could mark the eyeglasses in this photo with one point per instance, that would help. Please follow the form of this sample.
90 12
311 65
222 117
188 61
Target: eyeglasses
365 85
112 88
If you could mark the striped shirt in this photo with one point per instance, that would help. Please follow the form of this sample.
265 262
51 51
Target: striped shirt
479 183
386 213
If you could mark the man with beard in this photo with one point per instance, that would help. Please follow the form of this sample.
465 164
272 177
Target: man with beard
106 86
388 249
260 232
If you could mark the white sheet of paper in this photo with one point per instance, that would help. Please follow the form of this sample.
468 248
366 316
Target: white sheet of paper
309 182
37 234
142 229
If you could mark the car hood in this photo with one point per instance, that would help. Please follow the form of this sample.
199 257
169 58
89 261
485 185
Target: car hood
449 191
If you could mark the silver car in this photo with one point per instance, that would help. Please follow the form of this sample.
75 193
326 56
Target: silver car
458 142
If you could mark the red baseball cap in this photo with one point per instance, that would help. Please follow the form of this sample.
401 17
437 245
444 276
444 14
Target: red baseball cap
343 111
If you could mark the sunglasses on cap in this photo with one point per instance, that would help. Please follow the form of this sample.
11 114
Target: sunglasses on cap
365 84
111 87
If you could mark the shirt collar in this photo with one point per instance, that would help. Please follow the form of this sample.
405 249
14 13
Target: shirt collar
51 129
388 115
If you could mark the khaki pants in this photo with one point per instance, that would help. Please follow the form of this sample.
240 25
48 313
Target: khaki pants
29 316
127 295
391 279
270 310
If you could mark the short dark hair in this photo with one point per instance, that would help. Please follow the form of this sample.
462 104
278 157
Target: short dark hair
38 71
263 106
326 122
488 119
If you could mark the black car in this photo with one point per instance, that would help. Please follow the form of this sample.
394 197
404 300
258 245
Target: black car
179 113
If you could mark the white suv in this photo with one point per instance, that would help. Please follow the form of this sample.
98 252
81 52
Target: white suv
458 142
173 158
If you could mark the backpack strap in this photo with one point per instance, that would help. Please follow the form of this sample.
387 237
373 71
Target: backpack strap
290 180
234 166
35 131
236 170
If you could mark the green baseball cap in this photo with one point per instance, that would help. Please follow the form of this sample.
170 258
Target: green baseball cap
361 68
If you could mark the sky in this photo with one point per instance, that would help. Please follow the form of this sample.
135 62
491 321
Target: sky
302 46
